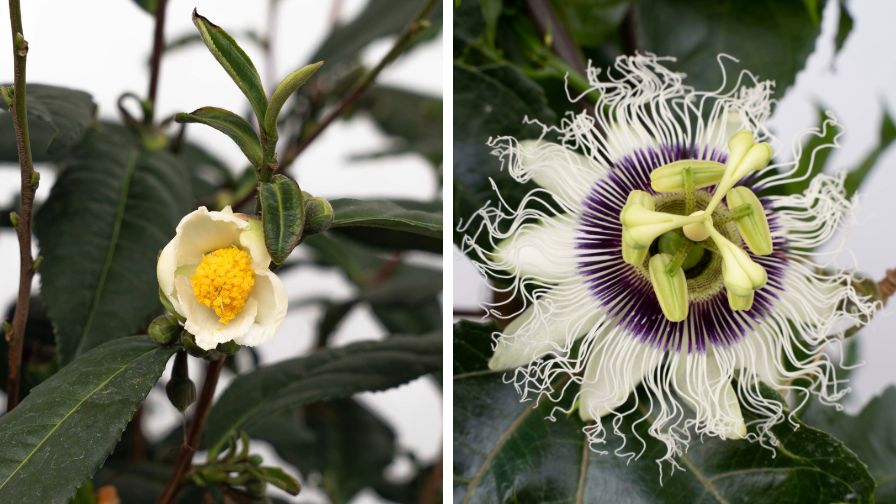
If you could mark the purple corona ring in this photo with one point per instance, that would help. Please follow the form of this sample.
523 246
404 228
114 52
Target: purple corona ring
660 249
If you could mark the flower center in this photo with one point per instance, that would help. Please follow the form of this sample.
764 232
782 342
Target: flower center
223 281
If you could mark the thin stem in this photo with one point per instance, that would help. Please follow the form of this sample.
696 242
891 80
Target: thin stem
410 32
155 59
29 179
194 435
887 285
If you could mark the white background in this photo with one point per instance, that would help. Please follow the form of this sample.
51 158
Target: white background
102 47
856 86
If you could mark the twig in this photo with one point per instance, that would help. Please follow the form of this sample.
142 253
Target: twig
431 493
411 31
155 59
194 435
29 179
542 14
887 285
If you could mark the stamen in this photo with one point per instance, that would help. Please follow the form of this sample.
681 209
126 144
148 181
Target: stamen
223 281
671 288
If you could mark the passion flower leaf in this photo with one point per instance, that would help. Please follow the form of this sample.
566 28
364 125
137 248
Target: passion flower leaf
235 62
67 426
58 118
325 375
232 125
108 215
282 216
393 224
885 137
505 451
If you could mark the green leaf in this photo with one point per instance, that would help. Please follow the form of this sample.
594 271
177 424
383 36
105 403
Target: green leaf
208 173
413 119
816 151
505 451
58 118
280 479
771 39
64 430
107 217
235 61
405 216
844 26
871 434
886 136
590 22
147 5
282 215
230 124
284 90
342 441
325 375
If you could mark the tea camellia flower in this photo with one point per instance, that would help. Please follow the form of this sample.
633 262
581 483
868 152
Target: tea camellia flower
655 250
215 275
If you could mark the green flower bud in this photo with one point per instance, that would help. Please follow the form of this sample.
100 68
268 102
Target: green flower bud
255 460
164 329
753 226
671 290
318 215
670 177
180 389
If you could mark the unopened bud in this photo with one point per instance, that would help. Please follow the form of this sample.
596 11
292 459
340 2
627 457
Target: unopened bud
318 215
164 329
180 389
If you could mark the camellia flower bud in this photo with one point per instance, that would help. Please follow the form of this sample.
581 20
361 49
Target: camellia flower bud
319 215
180 388
164 329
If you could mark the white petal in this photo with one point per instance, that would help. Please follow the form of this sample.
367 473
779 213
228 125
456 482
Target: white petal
553 322
252 239
165 271
613 371
203 323
568 175
702 385
545 250
270 295
201 231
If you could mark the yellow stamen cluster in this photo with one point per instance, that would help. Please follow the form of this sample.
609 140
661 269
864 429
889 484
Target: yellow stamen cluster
223 281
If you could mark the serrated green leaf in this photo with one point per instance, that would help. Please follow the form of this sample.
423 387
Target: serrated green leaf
235 62
109 214
325 375
505 451
230 124
871 434
284 90
282 216
752 33
58 119
77 415
857 175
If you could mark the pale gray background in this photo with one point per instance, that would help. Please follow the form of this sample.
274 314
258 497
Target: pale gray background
856 86
102 47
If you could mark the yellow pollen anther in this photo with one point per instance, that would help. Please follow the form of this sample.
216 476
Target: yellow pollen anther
223 281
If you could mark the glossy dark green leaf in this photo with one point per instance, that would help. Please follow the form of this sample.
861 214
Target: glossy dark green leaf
505 451
772 41
39 360
325 375
590 22
58 118
282 215
63 431
232 125
208 173
342 442
284 90
871 434
235 62
107 217
405 216
844 26
411 118
886 136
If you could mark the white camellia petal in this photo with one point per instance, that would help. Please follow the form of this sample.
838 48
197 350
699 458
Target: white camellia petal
701 384
548 324
545 250
252 239
270 294
612 372
201 231
568 175
165 270
203 323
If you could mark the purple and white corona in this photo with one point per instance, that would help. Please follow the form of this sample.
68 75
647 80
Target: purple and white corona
655 250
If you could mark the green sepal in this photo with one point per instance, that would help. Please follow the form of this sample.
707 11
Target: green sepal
235 61
188 341
753 227
282 216
284 90
232 125
671 290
